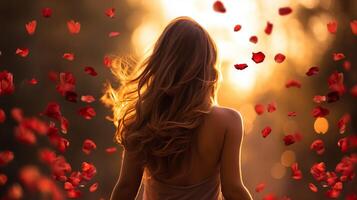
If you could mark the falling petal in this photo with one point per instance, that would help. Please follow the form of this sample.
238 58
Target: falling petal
219 7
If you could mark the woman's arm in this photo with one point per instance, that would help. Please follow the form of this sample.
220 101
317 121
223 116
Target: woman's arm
231 178
129 180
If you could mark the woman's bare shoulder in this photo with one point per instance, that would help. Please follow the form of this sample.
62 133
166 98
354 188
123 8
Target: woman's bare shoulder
226 114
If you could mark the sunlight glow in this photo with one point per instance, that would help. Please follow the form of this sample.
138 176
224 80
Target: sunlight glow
234 47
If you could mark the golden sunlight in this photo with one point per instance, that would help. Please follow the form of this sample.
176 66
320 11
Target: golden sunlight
234 47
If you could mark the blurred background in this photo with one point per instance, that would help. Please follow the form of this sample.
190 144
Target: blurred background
301 36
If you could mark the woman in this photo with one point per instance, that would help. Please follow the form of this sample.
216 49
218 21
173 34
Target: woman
178 144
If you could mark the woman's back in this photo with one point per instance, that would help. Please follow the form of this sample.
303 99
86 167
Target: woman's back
208 189
203 180
206 150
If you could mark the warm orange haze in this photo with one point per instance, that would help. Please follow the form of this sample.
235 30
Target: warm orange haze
241 98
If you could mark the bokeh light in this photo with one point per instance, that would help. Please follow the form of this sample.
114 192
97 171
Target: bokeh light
278 171
287 158
321 125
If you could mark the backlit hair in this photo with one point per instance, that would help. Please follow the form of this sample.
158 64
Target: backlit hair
162 101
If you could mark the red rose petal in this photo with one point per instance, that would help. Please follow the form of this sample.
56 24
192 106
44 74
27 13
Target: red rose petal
289 139
291 114
31 27
46 12
335 83
29 175
68 186
241 66
266 131
2 116
66 83
93 187
352 139
351 196
73 194
87 112
111 149
219 7
318 146
62 144
332 97
293 83
343 121
285 11
6 157
259 109
297 136
318 171
64 124
270 197
260 187
319 99
332 27
60 167
279 58
15 191
110 12
268 28
73 27
53 76
343 144
258 57
237 28
32 81
53 110
353 25
113 34
16 114
107 61
271 107
68 56
333 194
6 83
313 187
347 65
296 173
88 146
346 168
87 98
25 136
253 39
3 179
338 56
47 156
319 111
90 70
335 191
332 179
313 71
23 52
88 171
353 91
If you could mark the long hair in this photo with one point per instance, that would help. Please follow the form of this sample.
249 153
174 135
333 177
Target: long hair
162 101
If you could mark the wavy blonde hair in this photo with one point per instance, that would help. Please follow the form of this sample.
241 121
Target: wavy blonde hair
162 101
